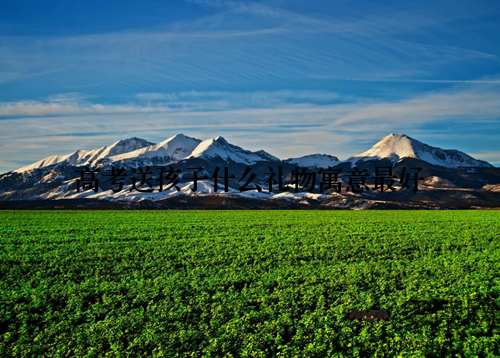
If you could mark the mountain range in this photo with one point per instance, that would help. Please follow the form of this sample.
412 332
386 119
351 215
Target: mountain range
451 179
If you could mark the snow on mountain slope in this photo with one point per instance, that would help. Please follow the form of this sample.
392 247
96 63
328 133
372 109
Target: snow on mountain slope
186 188
174 148
314 161
396 146
220 148
87 157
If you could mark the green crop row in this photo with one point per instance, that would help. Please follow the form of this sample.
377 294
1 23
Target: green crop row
249 283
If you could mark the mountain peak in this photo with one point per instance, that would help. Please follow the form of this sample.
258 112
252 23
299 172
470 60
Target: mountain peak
132 142
131 139
396 146
171 149
314 161
398 135
179 136
89 157
127 145
218 147
221 140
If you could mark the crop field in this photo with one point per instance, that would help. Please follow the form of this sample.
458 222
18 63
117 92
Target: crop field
249 283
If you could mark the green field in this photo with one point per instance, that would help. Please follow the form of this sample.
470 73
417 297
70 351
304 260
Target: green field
249 283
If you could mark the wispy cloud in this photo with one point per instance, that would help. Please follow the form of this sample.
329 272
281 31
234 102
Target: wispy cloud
292 119
56 108
248 43
403 80
492 157
243 99
354 73
472 102
6 77
264 10
73 104
465 101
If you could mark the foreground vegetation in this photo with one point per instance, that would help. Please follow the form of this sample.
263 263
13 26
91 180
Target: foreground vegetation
249 283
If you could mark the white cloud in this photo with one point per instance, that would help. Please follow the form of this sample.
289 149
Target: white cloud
472 102
478 101
241 99
249 43
490 156
252 119
16 74
60 107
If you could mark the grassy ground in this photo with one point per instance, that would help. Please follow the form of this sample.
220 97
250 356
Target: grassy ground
249 283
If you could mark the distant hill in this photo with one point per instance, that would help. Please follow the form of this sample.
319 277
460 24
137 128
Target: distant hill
453 179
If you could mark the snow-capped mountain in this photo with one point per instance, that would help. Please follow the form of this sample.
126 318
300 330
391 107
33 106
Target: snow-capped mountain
170 150
56 177
87 157
314 161
219 148
397 146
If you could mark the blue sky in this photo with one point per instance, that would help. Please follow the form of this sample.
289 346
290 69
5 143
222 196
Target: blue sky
292 77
